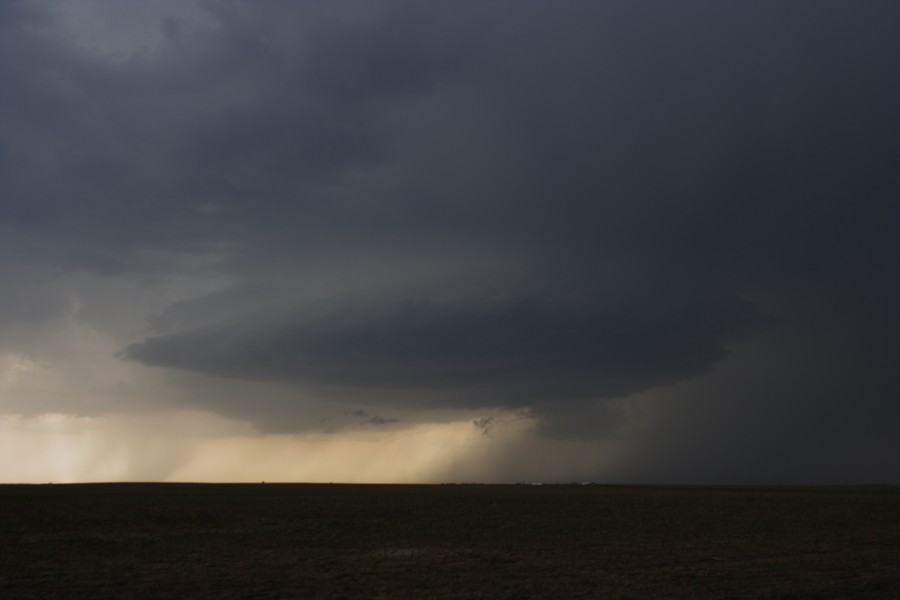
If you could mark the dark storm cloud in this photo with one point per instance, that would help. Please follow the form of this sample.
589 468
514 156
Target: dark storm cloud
478 352
493 205
210 137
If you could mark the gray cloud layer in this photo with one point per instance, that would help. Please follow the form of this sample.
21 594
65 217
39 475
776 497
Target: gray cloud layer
483 352
444 206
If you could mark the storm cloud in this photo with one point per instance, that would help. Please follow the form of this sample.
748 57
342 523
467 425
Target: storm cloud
476 353
669 225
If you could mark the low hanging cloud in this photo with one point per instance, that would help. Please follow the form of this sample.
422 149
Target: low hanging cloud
473 354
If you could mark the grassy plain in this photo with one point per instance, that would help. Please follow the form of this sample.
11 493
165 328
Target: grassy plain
450 541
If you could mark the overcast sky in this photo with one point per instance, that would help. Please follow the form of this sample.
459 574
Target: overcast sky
450 241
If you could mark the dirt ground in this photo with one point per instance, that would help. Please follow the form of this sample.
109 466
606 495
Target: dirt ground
449 541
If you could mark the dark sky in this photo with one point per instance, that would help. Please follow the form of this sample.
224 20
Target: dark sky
669 227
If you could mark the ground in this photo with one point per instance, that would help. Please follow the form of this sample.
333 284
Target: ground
447 541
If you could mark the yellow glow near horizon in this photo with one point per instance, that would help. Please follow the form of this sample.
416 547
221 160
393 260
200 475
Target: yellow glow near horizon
63 449
191 446
410 455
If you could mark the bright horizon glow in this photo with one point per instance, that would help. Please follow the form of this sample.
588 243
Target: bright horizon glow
200 447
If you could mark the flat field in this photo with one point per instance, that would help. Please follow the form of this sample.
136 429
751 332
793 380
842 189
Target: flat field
447 541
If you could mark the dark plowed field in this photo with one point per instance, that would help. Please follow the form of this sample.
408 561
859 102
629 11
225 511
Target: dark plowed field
478 541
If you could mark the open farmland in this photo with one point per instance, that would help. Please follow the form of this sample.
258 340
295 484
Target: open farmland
450 541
